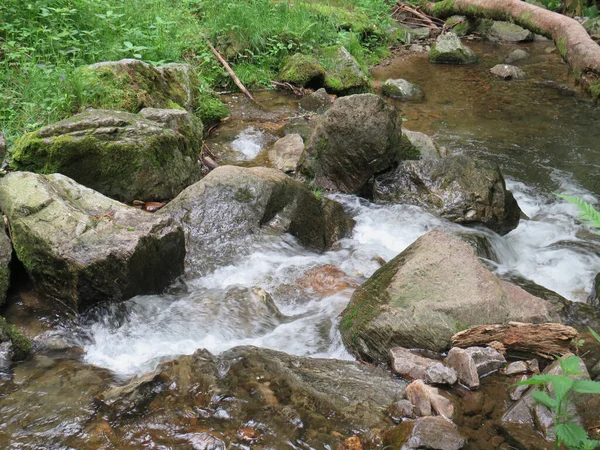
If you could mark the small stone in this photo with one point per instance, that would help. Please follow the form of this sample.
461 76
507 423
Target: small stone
516 368
352 443
400 410
437 373
508 72
408 364
487 360
533 365
418 395
286 152
440 404
465 367
516 55
402 90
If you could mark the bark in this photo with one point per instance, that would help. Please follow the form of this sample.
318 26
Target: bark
546 339
572 40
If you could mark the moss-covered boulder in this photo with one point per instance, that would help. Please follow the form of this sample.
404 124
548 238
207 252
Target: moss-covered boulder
402 90
461 25
424 144
211 109
14 346
5 257
80 247
303 70
458 188
448 49
343 76
359 136
125 156
231 207
509 32
430 291
131 85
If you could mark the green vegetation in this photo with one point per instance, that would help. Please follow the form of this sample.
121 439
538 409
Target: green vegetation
560 400
588 214
44 42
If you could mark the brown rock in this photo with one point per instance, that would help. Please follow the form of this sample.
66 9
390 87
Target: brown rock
352 443
326 280
418 394
465 367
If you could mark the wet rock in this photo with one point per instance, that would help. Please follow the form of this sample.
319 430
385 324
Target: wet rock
402 90
436 433
461 25
418 394
400 410
5 258
352 443
525 437
487 360
326 280
81 248
286 152
516 55
457 188
319 101
593 298
425 145
422 297
448 49
516 368
437 373
357 137
14 345
131 84
509 32
508 72
343 76
318 401
466 369
412 366
232 206
481 244
302 70
516 392
2 146
124 156
440 404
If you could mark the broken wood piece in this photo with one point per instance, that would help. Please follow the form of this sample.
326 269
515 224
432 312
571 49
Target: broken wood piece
543 339
231 73
415 12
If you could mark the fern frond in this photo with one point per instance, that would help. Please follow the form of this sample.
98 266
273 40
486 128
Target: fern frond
588 214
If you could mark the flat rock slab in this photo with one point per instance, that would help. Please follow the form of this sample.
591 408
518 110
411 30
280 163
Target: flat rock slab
81 248
434 433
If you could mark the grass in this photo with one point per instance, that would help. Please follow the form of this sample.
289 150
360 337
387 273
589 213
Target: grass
43 41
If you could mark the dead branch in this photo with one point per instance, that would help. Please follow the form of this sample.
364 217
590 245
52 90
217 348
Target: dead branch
236 80
429 21
300 92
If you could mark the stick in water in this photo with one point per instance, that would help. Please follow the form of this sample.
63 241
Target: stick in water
231 73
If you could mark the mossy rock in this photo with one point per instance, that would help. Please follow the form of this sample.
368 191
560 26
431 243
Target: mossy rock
122 155
5 258
303 70
211 109
402 89
448 49
131 85
344 75
461 25
21 345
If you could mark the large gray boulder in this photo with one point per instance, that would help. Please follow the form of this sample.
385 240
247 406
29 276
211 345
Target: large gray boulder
232 205
81 248
457 188
150 156
280 397
430 291
448 49
358 137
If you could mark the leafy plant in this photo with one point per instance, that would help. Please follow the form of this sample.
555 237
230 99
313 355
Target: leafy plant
557 394
588 213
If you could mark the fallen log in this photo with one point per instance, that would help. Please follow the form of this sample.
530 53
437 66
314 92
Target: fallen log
543 339
573 42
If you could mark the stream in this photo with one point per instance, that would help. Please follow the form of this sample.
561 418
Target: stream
545 138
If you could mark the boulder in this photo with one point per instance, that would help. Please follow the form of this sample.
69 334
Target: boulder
464 365
319 101
316 401
302 70
81 248
124 156
424 144
423 296
508 72
286 152
359 136
516 55
487 360
5 258
448 49
509 32
343 76
402 90
230 207
457 188
131 85
431 433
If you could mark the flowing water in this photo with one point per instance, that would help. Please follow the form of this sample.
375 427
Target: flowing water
545 138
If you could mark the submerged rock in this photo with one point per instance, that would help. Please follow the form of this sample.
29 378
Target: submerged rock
509 32
508 72
81 248
151 156
457 188
423 296
231 205
402 90
343 76
319 101
434 433
516 55
286 152
448 49
357 137
314 400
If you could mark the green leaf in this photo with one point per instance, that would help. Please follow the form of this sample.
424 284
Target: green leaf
571 434
561 385
570 365
543 398
586 386
588 214
596 335
537 380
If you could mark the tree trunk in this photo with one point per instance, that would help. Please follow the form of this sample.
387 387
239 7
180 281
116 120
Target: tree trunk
572 40
543 339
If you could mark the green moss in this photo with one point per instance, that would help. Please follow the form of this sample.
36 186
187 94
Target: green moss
244 195
561 45
322 147
408 150
211 109
594 89
21 344
302 70
443 8
102 88
344 19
